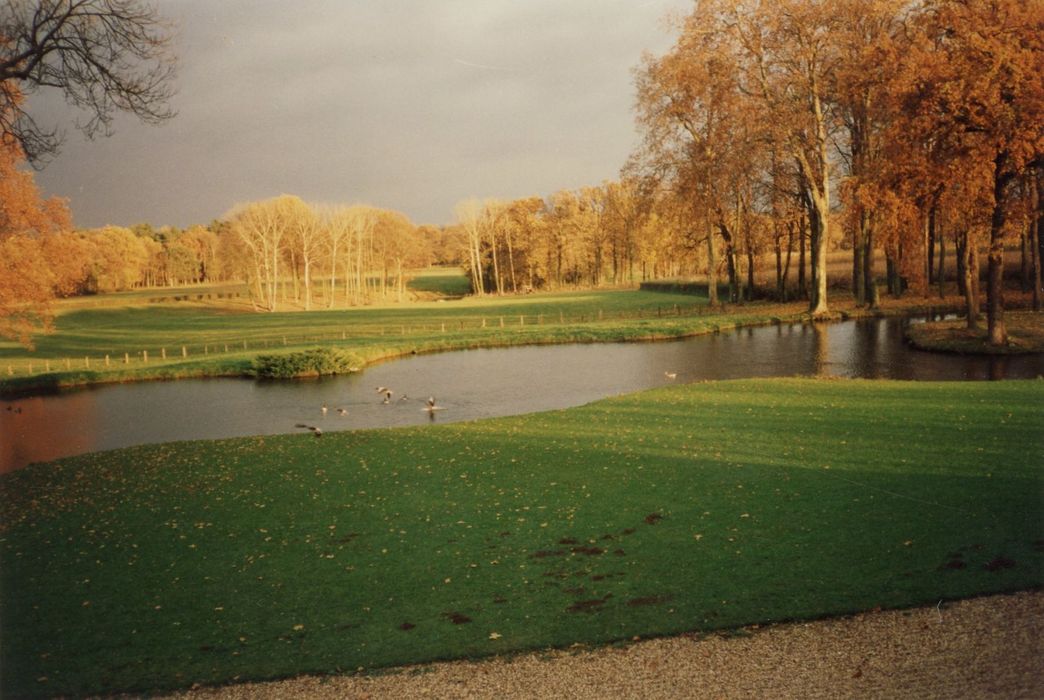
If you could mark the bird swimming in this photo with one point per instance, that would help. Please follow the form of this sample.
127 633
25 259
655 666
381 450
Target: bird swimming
324 409
671 375
342 411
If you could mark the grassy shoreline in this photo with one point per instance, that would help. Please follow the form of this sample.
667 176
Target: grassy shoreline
377 335
1025 335
673 510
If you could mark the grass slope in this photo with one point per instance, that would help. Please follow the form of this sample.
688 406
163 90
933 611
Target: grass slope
693 507
218 341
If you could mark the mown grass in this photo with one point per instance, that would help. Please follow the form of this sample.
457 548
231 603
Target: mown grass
186 339
441 281
689 508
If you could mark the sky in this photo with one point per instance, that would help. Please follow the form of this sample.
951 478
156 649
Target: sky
411 105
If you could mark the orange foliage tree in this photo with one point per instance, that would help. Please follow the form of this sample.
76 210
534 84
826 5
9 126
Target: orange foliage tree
27 281
969 89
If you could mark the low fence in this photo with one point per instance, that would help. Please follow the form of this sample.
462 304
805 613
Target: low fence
192 351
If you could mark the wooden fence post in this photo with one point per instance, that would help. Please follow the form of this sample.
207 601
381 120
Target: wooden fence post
126 358
145 356
107 361
163 353
184 351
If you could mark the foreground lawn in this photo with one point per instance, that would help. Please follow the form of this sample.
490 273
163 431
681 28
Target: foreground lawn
689 508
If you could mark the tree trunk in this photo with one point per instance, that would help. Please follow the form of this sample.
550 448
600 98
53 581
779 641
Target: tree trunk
1024 267
895 282
971 303
750 273
778 244
1037 231
858 267
870 295
802 286
998 334
730 262
511 262
712 267
929 248
941 275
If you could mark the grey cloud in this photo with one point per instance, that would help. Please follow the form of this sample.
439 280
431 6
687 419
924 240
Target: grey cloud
406 104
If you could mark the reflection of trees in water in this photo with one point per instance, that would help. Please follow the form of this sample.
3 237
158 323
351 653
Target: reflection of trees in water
821 351
864 349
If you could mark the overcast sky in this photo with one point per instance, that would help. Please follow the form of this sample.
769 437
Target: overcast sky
410 105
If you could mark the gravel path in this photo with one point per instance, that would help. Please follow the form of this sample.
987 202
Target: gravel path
991 647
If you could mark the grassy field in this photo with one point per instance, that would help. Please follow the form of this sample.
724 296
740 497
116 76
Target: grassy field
689 508
139 335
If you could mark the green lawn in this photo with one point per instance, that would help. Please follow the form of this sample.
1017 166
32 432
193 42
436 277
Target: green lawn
138 339
441 281
689 508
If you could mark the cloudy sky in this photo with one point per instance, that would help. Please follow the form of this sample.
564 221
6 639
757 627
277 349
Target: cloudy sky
410 105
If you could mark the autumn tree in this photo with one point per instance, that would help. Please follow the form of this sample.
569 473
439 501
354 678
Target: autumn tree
471 217
703 132
260 229
984 95
788 56
28 280
105 56
867 48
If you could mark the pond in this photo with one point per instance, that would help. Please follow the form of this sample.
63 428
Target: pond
468 385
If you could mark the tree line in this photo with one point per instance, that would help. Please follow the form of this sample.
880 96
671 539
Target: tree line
772 132
893 127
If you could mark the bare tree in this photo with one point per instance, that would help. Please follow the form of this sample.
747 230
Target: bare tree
106 56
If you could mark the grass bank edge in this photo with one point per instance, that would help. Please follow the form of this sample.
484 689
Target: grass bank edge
240 364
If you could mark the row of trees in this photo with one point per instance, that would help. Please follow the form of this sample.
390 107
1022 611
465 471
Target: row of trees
772 126
358 252
905 123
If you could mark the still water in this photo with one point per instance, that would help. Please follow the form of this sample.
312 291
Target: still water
468 385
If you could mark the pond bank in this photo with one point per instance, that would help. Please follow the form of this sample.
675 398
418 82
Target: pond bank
662 327
1025 335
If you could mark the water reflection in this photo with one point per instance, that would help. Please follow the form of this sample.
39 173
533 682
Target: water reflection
469 384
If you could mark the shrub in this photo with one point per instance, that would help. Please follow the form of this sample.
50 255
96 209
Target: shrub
307 363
